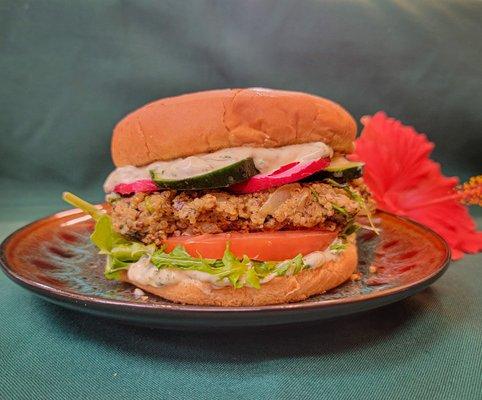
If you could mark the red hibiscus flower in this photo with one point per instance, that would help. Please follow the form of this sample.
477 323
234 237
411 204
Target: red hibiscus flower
405 181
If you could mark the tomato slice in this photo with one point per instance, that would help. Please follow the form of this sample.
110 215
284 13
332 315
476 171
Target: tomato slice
266 246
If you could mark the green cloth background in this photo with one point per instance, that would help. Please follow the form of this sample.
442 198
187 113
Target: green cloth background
70 69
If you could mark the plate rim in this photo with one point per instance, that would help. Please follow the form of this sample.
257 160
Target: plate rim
176 308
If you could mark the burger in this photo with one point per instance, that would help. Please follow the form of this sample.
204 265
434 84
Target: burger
235 197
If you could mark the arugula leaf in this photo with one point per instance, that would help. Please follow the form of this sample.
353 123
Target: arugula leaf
290 267
314 195
350 228
237 268
338 246
353 194
340 209
131 252
121 252
180 258
114 267
104 236
251 275
252 278
282 268
297 264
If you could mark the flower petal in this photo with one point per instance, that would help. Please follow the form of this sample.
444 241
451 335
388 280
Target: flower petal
405 181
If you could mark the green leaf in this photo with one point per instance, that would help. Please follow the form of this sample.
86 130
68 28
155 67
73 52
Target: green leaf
297 264
290 267
121 252
179 251
236 268
252 278
104 236
130 252
352 227
315 195
340 209
335 183
180 258
353 194
264 268
114 267
282 268
338 246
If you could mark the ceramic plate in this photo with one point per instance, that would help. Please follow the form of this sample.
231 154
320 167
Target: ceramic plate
53 258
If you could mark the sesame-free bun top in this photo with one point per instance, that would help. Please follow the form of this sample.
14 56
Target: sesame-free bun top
207 121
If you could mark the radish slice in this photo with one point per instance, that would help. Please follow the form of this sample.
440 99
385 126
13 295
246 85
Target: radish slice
145 185
282 176
289 173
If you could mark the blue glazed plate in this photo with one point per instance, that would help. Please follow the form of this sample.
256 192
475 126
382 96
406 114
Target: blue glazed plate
53 258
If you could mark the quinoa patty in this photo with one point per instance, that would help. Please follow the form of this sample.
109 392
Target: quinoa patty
152 218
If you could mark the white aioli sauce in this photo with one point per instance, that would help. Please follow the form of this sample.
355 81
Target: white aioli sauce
266 160
145 273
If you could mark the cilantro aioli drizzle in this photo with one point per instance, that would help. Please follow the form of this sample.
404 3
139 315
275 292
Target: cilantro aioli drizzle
266 160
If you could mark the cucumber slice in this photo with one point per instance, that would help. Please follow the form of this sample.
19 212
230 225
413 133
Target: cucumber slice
340 170
218 178
346 172
342 164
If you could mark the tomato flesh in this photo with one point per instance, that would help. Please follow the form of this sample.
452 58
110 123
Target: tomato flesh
266 246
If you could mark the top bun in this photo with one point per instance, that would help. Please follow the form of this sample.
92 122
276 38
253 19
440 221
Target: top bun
203 122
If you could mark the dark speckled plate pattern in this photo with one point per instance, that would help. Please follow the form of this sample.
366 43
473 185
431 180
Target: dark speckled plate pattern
54 258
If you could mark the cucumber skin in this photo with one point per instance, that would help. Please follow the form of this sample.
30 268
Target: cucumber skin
221 178
346 175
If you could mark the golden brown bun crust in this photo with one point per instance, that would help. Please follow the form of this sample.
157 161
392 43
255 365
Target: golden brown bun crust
208 121
284 289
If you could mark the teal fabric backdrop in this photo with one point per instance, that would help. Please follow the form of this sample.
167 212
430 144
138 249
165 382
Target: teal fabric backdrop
70 69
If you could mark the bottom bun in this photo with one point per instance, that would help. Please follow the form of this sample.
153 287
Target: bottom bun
283 289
